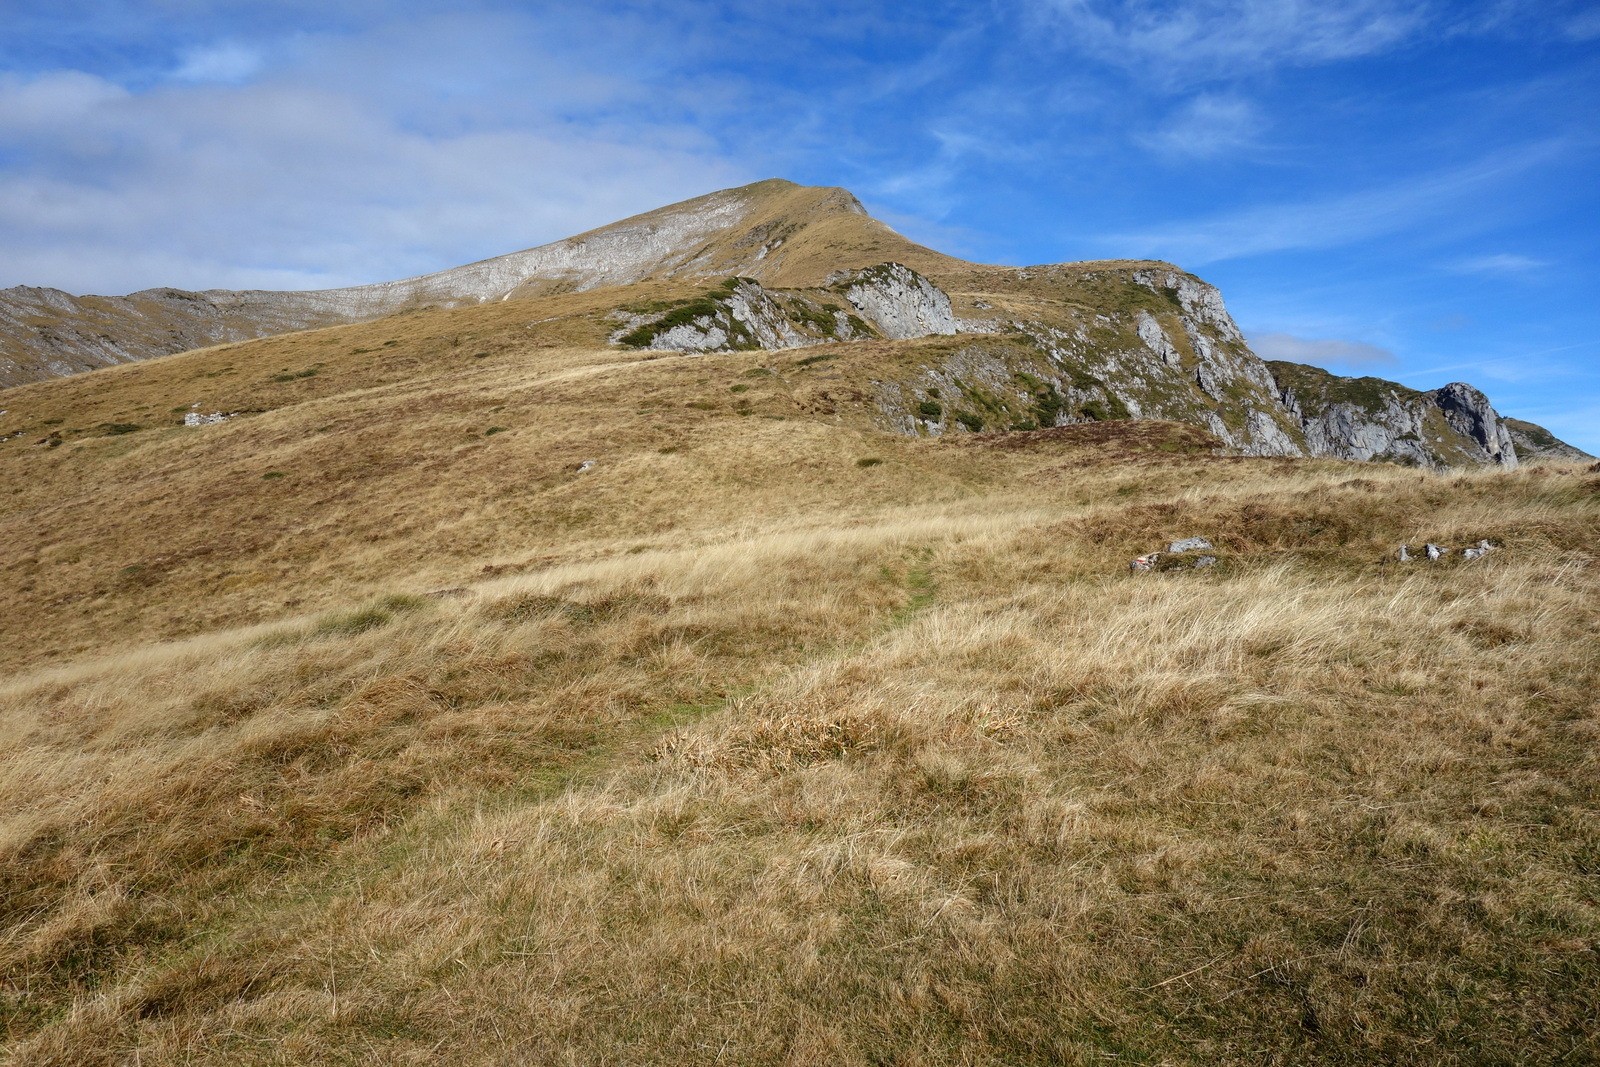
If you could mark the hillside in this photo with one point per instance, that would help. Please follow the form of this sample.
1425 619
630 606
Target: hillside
748 669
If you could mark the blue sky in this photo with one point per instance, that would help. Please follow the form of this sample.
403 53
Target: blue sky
1404 189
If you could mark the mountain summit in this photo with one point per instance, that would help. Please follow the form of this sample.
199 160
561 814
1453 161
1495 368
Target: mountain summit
794 266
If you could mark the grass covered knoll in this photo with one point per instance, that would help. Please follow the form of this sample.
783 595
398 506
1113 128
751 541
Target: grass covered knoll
347 731
939 782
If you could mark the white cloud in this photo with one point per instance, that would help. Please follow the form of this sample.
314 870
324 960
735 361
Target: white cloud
1208 125
1172 39
1584 27
1332 222
1504 263
46 103
341 164
1321 351
226 63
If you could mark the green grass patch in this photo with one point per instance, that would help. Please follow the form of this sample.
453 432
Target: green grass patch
491 431
368 617
868 461
812 361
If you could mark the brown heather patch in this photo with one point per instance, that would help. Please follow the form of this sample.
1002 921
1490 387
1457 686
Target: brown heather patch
733 750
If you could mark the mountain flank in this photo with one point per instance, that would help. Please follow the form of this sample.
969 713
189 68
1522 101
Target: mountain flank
747 668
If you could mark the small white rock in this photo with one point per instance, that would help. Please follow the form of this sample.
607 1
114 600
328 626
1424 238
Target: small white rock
1190 544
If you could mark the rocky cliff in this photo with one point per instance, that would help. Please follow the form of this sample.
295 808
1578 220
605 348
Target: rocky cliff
1370 418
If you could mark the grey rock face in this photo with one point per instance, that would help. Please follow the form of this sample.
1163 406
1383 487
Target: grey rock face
1369 418
1155 339
1468 410
1230 377
900 302
1163 348
1346 431
747 317
896 300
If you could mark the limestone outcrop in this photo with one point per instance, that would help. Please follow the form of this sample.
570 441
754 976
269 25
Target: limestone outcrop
1370 418
889 300
901 303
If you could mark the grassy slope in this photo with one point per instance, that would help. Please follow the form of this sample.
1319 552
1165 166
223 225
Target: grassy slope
733 748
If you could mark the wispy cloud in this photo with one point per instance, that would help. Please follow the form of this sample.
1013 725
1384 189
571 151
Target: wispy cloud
226 63
1207 126
1321 351
1175 39
1583 27
1328 223
1503 263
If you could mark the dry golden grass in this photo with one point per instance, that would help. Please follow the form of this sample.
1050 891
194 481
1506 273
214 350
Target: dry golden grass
733 750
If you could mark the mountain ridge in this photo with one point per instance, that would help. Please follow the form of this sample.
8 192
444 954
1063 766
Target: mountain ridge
802 265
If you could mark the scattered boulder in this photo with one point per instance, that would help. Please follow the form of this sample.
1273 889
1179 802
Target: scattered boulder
1189 544
1206 561
1145 563
194 418
1438 552
585 466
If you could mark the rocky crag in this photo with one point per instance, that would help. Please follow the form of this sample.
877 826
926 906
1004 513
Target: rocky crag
1370 418
956 347
1087 342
